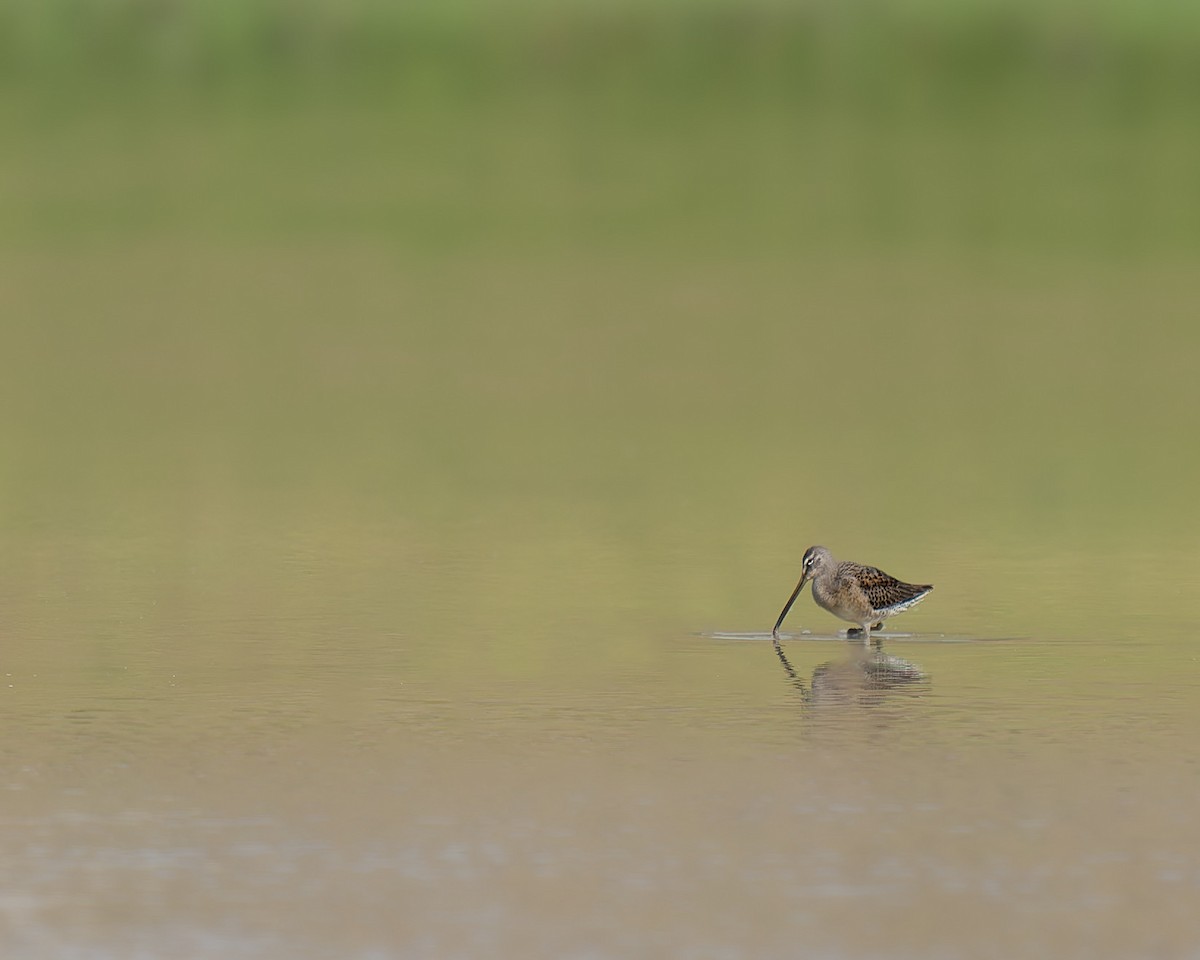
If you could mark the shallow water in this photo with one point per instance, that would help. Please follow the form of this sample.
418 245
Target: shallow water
294 762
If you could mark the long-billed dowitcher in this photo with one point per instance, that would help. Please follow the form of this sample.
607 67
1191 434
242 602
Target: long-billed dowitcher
863 595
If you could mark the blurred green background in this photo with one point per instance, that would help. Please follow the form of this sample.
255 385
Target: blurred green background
449 322
405 406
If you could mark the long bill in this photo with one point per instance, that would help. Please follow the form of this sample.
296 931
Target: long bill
788 606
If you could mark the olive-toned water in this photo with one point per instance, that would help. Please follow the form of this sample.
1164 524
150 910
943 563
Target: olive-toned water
399 478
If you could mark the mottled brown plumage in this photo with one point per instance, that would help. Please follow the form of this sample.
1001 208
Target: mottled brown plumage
863 595
882 591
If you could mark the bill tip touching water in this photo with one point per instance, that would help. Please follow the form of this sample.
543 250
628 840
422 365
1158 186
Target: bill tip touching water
863 595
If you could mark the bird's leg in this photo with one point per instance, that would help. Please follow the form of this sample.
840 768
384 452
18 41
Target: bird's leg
866 633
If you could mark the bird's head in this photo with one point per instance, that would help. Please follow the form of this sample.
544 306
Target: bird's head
816 561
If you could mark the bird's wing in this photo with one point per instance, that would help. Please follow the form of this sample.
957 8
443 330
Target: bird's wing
884 591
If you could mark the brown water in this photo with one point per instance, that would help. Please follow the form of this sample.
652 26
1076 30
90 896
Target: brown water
1027 798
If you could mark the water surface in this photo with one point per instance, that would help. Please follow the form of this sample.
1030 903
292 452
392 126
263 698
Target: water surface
319 757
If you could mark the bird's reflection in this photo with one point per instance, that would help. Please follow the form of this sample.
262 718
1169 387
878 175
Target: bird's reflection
864 676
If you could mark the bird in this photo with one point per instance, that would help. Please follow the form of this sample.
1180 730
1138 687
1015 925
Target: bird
863 595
